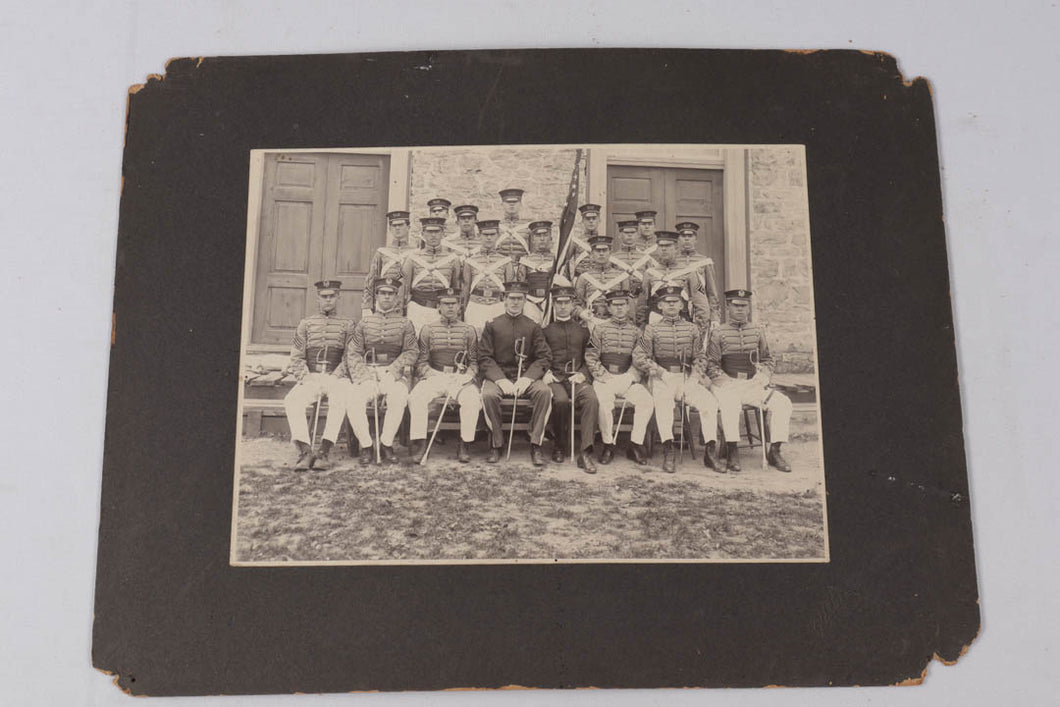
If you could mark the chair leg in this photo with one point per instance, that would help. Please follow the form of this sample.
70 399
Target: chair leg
762 434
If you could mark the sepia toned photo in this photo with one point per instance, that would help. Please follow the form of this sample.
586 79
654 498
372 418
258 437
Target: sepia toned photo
501 354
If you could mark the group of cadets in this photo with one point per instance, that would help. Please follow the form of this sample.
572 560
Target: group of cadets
460 317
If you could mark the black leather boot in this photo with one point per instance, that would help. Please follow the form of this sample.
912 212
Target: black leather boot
320 461
416 447
463 452
774 458
733 456
710 459
669 457
387 454
494 455
607 454
537 457
305 456
585 462
367 455
638 453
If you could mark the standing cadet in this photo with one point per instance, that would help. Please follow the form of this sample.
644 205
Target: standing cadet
567 339
670 351
499 367
610 359
379 359
483 278
447 363
513 237
427 272
317 362
535 269
695 306
646 230
687 234
628 255
439 208
599 276
740 365
578 260
387 262
465 241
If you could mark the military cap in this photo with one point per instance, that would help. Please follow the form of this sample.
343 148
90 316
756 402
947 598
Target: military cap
511 193
687 226
432 222
393 216
488 224
465 209
738 296
439 202
392 282
327 285
516 286
642 215
449 293
624 225
600 240
616 294
562 291
589 208
540 226
669 291
665 237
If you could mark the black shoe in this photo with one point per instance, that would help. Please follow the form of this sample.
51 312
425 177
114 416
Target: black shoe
463 454
494 455
733 455
607 454
416 448
669 457
305 457
387 454
774 458
320 461
557 455
366 456
585 461
638 453
537 457
709 460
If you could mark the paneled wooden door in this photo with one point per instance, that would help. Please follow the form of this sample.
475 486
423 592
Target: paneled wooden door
677 194
322 216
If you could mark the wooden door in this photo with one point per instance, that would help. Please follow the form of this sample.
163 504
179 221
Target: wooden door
322 216
677 194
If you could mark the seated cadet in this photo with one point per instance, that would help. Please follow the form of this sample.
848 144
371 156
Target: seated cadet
502 375
379 359
670 351
317 355
739 365
610 359
567 338
439 371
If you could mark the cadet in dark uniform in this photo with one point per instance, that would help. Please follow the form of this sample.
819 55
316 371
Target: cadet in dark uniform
568 338
740 365
498 366
317 355
379 358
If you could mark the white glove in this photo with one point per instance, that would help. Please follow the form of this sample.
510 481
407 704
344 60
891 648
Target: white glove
506 386
761 378
548 378
578 378
522 384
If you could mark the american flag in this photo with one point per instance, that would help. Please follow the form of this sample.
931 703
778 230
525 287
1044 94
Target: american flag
566 223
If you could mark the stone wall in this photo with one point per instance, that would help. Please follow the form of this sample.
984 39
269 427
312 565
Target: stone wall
780 254
474 176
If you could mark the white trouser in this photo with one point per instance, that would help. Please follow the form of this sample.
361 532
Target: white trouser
477 314
667 390
434 386
637 397
336 390
420 315
734 394
360 399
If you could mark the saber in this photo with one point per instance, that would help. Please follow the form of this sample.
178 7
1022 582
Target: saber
520 354
760 410
375 403
684 406
322 367
618 428
461 365
570 372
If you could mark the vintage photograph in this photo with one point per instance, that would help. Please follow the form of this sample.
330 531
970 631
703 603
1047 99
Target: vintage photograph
498 354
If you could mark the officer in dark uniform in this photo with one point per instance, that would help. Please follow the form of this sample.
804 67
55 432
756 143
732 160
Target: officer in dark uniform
499 365
568 338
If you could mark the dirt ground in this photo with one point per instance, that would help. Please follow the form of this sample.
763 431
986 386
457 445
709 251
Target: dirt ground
477 511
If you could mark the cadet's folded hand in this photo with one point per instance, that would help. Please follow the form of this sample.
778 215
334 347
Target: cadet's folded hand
522 384
548 378
761 378
578 378
506 386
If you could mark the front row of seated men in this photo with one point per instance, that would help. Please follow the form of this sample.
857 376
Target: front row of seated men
370 367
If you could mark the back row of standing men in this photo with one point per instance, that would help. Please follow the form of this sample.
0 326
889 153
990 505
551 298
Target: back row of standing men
467 308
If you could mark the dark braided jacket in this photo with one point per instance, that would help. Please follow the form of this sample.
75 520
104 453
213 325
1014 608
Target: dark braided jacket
735 347
440 342
669 342
568 340
320 344
393 340
611 347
